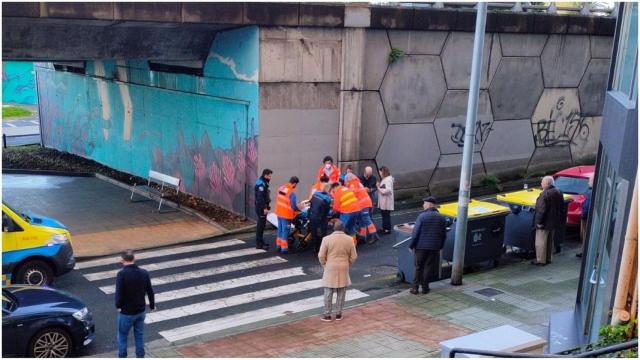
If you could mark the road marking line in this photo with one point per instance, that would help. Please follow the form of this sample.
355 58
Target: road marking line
10 124
177 263
250 317
197 274
227 284
246 298
159 253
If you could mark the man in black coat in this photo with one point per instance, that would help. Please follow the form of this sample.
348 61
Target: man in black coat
427 239
262 206
548 218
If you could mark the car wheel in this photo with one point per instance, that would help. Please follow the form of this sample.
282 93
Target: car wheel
50 343
35 272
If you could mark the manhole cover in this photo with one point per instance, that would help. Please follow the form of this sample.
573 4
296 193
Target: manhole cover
489 292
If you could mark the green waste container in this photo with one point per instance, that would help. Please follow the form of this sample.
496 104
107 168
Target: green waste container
485 231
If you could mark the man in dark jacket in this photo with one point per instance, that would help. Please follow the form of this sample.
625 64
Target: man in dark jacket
548 217
319 208
262 206
132 283
427 239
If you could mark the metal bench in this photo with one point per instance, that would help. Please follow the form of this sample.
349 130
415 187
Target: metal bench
148 191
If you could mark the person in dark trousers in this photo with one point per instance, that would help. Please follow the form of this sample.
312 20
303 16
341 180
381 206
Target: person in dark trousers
318 214
548 217
427 239
585 214
132 284
262 206
369 181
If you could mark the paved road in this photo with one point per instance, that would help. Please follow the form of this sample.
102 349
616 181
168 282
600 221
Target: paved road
208 288
21 131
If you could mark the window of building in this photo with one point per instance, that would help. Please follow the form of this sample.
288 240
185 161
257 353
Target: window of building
626 68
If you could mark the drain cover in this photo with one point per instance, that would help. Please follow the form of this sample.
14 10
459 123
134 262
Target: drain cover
489 292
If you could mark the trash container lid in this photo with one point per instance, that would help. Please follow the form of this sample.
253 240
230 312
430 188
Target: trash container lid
477 209
526 197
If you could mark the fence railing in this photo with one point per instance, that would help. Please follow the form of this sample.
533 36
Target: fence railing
585 8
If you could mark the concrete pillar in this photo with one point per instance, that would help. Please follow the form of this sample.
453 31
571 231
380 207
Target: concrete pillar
352 82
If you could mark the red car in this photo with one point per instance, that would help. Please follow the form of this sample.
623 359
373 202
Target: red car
574 181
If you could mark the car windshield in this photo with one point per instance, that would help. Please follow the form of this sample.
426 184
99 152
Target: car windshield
9 302
571 185
17 211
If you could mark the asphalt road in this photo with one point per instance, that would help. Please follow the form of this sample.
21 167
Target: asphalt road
21 131
212 286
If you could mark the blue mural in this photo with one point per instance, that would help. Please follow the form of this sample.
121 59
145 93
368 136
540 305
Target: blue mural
18 83
202 130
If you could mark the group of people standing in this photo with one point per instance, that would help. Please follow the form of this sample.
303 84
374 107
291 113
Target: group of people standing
347 196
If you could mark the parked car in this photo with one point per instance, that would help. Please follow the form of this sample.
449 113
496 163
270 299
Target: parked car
43 322
574 181
35 249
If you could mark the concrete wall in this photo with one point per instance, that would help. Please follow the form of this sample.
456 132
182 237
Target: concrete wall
18 83
540 105
202 130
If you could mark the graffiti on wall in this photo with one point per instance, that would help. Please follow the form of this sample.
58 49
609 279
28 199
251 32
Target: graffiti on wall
207 138
482 132
18 83
563 127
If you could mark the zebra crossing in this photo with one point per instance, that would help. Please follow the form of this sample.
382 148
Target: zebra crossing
210 287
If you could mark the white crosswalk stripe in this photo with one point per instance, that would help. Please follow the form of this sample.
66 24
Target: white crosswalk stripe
194 302
197 274
159 253
231 321
177 263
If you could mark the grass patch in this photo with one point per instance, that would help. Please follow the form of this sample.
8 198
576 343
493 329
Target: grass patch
10 111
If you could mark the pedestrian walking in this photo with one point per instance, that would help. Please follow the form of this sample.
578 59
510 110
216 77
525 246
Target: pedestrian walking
549 216
369 181
427 239
329 169
337 254
385 199
286 208
586 203
262 201
132 284
319 208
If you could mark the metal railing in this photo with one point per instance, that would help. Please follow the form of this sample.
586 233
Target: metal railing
585 8
593 353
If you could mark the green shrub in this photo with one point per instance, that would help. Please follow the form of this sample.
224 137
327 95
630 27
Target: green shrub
493 182
615 334
395 54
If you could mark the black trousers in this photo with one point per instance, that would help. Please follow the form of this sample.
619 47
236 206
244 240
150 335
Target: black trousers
262 222
424 261
386 219
318 228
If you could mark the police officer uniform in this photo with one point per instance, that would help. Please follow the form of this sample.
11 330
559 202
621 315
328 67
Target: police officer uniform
262 203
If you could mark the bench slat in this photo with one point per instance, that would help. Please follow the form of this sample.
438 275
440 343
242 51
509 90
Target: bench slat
170 180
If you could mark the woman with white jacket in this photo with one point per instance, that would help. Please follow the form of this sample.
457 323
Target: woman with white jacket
385 199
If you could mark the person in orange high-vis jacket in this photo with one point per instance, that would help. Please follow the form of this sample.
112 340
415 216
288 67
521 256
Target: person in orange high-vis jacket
367 230
346 203
327 168
319 185
286 208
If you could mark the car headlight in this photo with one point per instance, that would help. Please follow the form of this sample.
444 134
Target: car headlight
81 314
58 239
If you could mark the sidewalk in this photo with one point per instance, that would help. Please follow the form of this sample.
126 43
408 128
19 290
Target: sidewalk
406 325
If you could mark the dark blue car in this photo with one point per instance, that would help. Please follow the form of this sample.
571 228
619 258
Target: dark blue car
43 322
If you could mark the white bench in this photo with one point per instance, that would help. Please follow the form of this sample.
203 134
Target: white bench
165 181
503 338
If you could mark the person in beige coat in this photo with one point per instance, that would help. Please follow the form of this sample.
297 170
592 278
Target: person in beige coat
337 254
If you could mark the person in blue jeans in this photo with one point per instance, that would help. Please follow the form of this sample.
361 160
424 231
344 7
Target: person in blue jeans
132 284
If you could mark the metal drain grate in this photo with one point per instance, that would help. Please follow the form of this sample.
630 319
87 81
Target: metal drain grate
489 292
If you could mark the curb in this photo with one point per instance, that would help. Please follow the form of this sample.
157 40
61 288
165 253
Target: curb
47 172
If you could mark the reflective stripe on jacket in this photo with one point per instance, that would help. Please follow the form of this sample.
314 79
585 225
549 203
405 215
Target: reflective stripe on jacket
361 193
345 201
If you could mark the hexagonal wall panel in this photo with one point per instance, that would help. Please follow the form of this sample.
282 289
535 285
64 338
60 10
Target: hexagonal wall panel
522 44
412 89
508 148
457 55
451 119
446 178
376 58
556 117
564 59
418 42
601 47
411 153
516 88
547 160
584 146
373 125
593 87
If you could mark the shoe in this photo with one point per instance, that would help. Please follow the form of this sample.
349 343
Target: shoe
263 247
326 318
579 255
557 251
534 262
338 317
414 291
373 239
425 291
